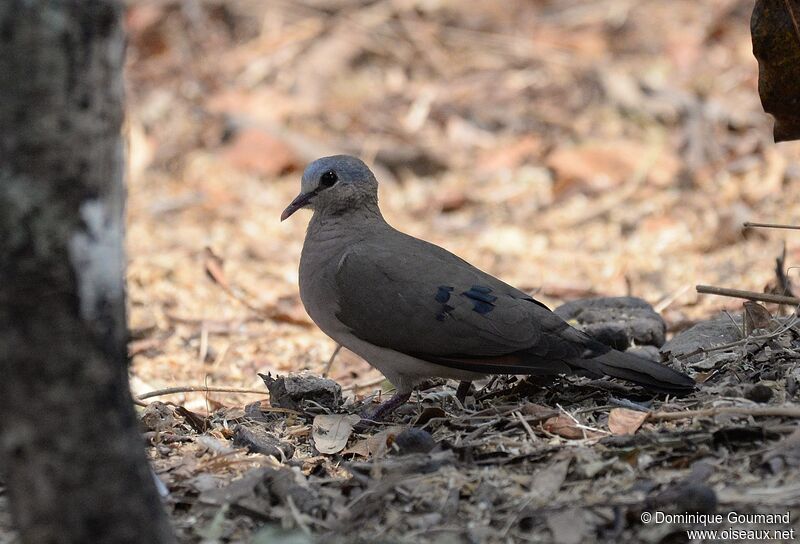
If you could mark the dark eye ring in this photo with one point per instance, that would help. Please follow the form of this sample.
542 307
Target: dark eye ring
328 179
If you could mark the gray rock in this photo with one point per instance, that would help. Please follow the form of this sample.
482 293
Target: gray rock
258 440
758 393
646 352
616 321
414 440
293 391
158 417
688 345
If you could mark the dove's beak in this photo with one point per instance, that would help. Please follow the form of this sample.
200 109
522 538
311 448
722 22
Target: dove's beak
300 201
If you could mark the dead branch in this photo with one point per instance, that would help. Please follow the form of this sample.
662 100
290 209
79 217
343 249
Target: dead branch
751 225
200 389
749 295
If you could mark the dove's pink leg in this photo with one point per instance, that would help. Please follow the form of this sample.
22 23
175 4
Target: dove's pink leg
389 406
463 390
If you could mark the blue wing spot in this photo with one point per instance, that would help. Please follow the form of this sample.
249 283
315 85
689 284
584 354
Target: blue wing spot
482 301
445 313
482 307
481 289
443 294
478 292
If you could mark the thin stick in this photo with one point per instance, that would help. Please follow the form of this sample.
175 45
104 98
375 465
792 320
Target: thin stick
751 225
362 385
580 425
526 426
774 334
749 295
665 302
203 389
296 515
330 361
755 411
200 389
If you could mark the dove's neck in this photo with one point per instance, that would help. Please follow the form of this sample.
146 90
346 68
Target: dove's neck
346 225
329 237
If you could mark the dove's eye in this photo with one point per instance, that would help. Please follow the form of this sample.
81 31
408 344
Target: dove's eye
328 179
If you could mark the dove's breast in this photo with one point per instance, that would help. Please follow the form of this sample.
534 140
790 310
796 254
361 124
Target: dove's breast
317 283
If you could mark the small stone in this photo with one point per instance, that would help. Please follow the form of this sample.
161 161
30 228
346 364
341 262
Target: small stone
697 497
647 352
758 393
731 391
414 440
294 390
616 321
158 417
688 345
793 382
258 440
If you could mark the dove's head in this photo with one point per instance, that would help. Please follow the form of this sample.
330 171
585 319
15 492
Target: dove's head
335 185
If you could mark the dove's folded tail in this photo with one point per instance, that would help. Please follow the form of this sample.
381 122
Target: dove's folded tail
638 370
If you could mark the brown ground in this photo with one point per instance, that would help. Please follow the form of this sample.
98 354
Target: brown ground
572 148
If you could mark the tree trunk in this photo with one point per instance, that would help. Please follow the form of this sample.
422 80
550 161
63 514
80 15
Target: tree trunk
73 458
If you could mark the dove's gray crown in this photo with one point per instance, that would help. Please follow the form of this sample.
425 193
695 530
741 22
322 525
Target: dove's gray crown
414 310
334 186
348 169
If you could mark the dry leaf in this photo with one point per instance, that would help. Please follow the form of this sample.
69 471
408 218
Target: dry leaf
565 427
332 431
756 317
377 444
429 413
287 309
214 269
625 421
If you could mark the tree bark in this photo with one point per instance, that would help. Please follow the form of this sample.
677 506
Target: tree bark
73 458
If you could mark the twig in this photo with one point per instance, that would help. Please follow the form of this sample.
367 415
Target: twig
297 516
330 361
750 225
749 295
362 385
527 427
774 334
203 353
630 405
513 519
755 411
213 268
580 425
739 329
201 389
781 273
665 302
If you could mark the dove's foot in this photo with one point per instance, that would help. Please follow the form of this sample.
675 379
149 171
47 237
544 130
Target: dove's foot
387 407
463 390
